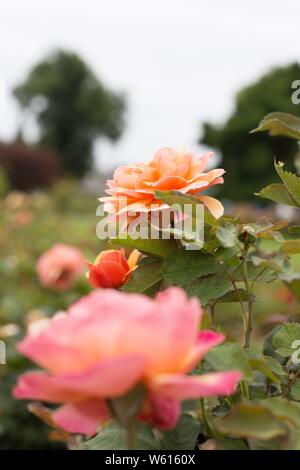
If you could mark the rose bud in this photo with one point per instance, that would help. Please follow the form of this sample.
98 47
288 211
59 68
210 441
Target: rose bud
111 268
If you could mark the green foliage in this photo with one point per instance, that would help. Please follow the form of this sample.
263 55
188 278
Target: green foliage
248 420
284 338
227 235
229 356
146 279
208 288
183 436
72 108
182 266
112 437
280 124
247 158
159 248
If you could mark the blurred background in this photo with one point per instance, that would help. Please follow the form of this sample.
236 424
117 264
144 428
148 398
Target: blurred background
89 85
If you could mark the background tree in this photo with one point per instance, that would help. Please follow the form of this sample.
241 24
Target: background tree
72 108
248 158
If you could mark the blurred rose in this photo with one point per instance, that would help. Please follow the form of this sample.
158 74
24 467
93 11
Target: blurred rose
60 266
285 295
111 268
24 217
132 188
110 342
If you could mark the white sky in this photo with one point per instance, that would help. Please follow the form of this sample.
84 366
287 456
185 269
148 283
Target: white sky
180 61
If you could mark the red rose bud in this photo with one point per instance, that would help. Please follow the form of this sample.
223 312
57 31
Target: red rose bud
111 268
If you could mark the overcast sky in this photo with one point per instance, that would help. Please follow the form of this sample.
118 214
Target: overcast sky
179 61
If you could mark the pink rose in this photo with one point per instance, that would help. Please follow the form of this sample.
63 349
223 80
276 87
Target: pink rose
108 343
60 266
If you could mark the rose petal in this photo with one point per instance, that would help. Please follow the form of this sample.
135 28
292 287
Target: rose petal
207 339
182 387
214 206
110 378
82 418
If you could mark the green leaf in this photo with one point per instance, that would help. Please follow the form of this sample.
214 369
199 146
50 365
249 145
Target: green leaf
209 288
259 362
227 235
285 410
183 436
279 123
159 248
229 356
291 247
226 443
285 337
232 296
274 264
127 407
247 420
294 231
224 254
275 366
112 437
255 272
295 390
146 278
269 349
277 192
291 182
183 266
176 197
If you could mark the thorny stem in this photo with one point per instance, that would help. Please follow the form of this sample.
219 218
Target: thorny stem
291 383
244 389
249 288
131 436
231 279
204 418
249 325
212 313
206 425
249 314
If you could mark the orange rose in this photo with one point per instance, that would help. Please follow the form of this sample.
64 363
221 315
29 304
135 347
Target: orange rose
111 268
132 187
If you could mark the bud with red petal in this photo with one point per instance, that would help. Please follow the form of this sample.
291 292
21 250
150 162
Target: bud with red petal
111 268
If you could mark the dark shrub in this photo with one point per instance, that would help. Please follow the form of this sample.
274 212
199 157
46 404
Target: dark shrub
28 168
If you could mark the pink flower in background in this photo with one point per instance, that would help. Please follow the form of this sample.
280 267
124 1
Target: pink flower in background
60 266
111 268
107 344
132 187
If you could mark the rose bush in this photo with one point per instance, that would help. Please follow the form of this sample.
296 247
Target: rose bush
138 361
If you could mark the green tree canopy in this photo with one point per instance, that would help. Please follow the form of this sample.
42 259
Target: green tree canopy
71 107
249 159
